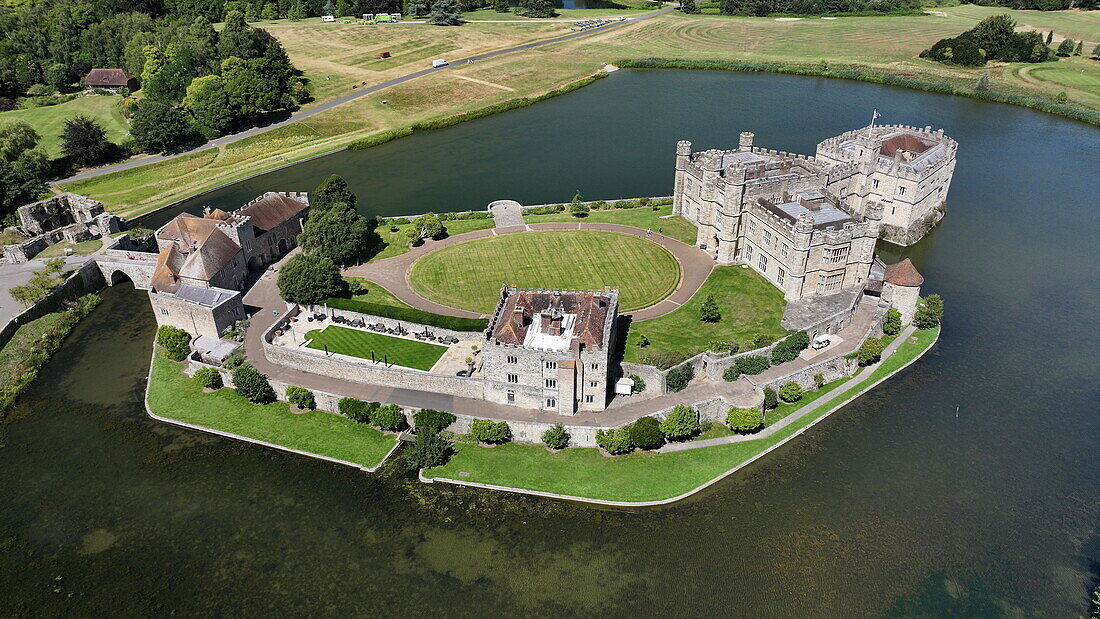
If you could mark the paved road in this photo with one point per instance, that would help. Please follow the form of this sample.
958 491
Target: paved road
12 275
392 273
366 90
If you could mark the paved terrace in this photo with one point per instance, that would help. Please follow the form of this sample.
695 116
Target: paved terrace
392 273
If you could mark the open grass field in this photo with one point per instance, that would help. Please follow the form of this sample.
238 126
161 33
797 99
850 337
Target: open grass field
49 121
750 306
346 54
377 301
79 249
643 217
468 275
387 242
362 344
175 396
639 476
1079 77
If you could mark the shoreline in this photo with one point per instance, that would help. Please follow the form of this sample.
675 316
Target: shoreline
610 503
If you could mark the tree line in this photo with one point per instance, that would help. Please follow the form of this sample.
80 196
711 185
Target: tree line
761 8
994 38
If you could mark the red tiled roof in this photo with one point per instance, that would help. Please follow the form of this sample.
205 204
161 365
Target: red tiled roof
111 78
271 210
592 311
188 229
904 141
166 273
903 274
210 257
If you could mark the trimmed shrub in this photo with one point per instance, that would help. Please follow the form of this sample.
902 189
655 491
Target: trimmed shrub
175 341
790 392
389 417
646 433
209 378
788 349
681 423
357 410
678 378
489 431
870 351
579 209
708 312
639 384
751 364
301 397
744 420
616 441
771 400
427 450
431 420
252 385
891 324
556 437
819 381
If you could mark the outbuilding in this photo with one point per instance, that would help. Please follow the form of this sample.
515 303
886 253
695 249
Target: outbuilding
110 79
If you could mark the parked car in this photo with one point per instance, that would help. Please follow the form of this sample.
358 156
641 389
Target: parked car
438 62
822 341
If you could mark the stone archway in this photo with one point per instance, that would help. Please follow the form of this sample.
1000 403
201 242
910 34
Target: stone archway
120 277
284 246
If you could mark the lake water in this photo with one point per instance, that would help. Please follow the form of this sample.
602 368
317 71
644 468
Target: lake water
893 506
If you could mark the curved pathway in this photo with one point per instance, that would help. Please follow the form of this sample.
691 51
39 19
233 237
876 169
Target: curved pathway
328 105
392 273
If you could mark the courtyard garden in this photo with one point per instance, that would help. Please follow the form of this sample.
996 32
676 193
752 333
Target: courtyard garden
749 308
175 396
469 275
366 345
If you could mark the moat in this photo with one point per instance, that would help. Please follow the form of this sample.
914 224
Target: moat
895 505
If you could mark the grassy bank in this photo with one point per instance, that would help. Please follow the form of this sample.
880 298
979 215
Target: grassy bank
33 344
49 121
639 476
175 396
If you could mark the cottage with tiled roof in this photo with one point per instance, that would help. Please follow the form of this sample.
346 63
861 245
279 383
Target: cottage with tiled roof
550 349
109 79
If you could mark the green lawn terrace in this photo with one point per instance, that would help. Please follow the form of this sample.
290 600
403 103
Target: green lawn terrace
376 347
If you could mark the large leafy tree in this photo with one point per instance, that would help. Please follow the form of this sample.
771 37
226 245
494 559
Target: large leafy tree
425 227
681 423
84 140
158 127
24 169
331 190
208 102
337 233
309 279
236 38
445 13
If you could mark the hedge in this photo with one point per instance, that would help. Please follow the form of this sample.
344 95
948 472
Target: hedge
409 314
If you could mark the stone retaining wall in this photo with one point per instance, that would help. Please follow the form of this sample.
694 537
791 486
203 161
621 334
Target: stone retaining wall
392 322
86 279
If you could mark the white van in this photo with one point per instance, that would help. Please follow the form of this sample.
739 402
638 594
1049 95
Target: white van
822 341
438 62
328 18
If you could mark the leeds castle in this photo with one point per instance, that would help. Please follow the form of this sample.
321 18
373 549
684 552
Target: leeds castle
810 224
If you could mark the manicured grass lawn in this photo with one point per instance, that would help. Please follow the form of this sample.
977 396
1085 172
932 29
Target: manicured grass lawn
750 306
468 275
175 396
639 476
49 121
644 217
786 408
388 243
79 249
378 301
356 343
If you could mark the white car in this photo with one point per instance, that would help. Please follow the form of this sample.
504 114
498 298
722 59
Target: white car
439 62
822 341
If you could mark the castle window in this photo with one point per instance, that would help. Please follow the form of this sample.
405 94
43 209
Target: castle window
901 191
779 276
551 365
748 253
551 383
893 209
589 399
767 237
874 183
836 256
236 311
830 283
763 264
784 251
163 312
513 378
513 359
511 396
551 403
752 226
593 383
595 366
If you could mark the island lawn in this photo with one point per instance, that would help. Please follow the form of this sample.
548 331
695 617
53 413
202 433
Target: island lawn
175 396
363 344
749 305
659 221
640 476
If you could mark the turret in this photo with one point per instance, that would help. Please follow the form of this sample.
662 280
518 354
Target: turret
745 143
683 158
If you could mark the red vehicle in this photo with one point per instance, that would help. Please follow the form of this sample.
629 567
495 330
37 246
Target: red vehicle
383 54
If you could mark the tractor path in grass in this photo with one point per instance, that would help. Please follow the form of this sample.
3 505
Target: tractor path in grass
392 273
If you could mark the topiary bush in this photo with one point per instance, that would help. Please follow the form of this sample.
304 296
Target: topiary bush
744 420
646 433
431 420
870 351
357 410
615 442
681 423
175 341
489 431
891 324
208 378
389 417
301 397
790 392
751 364
556 437
771 400
252 385
678 378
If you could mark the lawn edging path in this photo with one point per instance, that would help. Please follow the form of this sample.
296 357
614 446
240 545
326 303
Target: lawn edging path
392 273
840 397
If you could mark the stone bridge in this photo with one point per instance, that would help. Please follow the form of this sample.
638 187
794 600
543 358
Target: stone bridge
119 265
